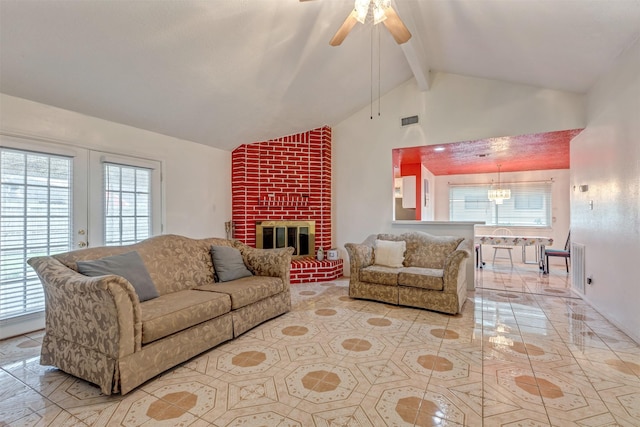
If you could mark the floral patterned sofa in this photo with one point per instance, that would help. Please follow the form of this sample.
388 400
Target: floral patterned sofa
97 328
413 269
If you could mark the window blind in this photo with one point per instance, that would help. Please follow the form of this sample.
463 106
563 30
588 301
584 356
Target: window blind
35 220
127 204
529 205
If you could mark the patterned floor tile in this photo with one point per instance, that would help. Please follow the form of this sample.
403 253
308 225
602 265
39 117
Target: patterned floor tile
414 406
519 418
266 419
353 416
524 352
23 402
17 349
382 371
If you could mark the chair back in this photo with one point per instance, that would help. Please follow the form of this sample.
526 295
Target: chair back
567 245
502 232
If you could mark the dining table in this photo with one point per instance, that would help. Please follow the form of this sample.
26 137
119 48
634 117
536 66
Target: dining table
539 242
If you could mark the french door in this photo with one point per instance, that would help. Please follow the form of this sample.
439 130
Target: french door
124 202
55 198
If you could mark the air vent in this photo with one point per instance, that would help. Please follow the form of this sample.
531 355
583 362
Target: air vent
411 120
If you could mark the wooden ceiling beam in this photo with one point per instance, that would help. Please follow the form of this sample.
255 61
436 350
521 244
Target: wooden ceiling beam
413 49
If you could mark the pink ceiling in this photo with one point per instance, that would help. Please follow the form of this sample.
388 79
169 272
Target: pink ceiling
549 150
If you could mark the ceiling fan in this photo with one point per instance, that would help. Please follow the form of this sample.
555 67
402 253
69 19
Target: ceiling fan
382 11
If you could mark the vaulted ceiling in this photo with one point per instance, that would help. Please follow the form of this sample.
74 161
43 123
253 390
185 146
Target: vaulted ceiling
227 72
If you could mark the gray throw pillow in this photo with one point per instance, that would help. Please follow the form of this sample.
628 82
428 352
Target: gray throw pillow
228 263
128 265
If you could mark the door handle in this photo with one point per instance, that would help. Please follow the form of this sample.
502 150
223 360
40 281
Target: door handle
82 244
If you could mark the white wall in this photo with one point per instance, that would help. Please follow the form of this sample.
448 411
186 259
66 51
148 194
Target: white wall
456 108
428 207
197 178
606 157
560 210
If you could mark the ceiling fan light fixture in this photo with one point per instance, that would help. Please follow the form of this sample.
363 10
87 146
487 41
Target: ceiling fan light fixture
361 8
378 15
374 10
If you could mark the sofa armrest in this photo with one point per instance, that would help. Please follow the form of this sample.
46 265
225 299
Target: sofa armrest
100 313
454 269
268 262
360 256
466 245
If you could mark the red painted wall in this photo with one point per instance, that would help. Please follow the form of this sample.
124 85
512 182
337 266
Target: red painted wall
288 178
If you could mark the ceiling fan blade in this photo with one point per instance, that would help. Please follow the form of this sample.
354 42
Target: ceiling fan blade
344 30
395 26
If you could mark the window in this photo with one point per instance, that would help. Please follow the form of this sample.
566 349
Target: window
55 198
125 199
476 202
35 220
529 205
127 202
528 201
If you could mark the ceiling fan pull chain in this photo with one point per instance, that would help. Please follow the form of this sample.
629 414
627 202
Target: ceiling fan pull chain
371 76
379 69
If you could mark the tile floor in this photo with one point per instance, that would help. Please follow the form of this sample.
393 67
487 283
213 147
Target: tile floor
524 352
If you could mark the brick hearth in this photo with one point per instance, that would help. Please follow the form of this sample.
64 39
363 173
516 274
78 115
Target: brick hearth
311 270
288 178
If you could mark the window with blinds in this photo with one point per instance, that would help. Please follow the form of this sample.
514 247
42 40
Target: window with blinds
127 202
529 205
35 220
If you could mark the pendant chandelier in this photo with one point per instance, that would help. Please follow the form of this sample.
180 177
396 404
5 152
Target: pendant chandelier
498 195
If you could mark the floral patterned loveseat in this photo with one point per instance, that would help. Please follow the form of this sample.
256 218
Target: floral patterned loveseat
97 328
430 273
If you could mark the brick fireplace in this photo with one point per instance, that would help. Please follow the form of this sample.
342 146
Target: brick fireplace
299 235
286 179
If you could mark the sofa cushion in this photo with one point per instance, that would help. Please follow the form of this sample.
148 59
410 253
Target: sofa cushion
388 253
175 263
424 278
180 310
246 290
128 265
429 251
380 275
228 264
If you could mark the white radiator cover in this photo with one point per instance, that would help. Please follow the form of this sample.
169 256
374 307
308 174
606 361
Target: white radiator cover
578 267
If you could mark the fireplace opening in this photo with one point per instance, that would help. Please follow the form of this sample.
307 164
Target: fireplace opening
300 235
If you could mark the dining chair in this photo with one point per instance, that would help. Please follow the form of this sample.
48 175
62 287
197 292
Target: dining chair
563 253
502 232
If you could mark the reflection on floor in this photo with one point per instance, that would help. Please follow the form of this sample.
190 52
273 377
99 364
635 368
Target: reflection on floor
525 352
